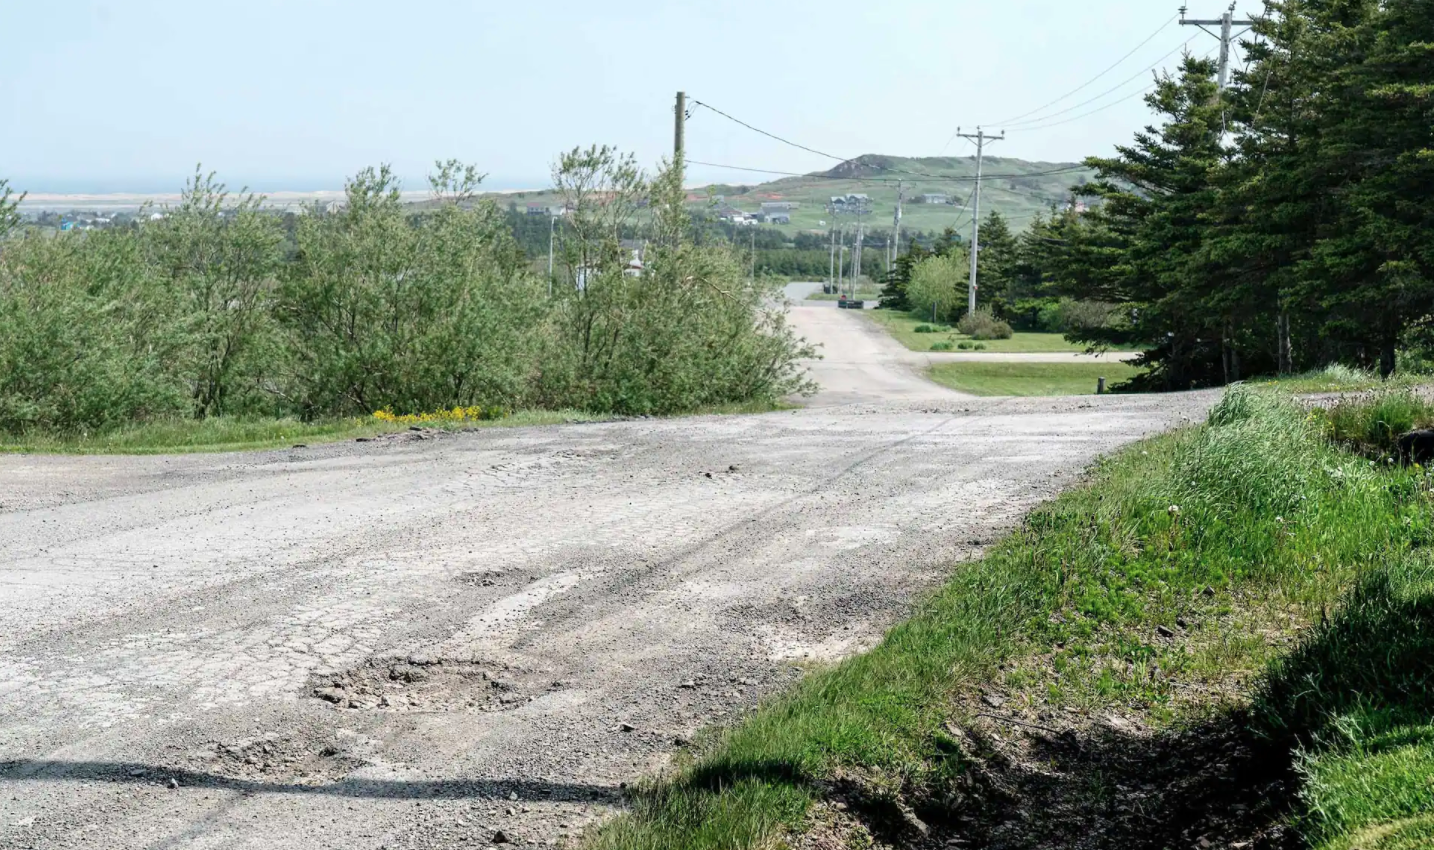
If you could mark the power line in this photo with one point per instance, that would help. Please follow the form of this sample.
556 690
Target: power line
769 135
841 160
1112 89
1116 102
1086 114
1065 169
1083 85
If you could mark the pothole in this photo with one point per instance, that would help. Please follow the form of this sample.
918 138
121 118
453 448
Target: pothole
489 578
401 685
272 757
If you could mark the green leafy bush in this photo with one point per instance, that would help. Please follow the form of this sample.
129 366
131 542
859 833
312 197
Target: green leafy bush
203 312
943 345
982 324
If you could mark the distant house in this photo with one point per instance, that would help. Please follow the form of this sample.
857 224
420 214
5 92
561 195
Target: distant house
777 212
638 249
935 198
734 216
850 203
544 209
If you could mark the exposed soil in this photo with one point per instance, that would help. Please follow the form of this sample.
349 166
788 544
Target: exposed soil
1078 783
421 684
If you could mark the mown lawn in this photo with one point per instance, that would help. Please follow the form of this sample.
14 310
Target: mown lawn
1265 571
902 327
1027 379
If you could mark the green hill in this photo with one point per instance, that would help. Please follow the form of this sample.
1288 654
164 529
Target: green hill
1017 188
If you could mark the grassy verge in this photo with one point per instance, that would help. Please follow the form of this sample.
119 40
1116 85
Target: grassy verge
1334 379
230 434
1024 379
1175 588
902 327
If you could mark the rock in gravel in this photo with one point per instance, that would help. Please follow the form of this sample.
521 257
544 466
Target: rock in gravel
688 684
1164 631
334 695
513 796
994 700
500 837
626 727
173 783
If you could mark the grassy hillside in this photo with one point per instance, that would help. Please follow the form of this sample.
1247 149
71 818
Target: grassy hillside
1015 187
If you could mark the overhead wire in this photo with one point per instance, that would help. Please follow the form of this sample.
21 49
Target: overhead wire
785 141
1065 169
1102 108
1112 89
1083 85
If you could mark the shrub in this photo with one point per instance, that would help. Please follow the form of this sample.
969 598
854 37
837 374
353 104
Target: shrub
963 345
379 307
925 329
937 286
943 345
1374 426
983 325
980 346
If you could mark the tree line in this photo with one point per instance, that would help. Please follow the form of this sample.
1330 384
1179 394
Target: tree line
221 308
1283 224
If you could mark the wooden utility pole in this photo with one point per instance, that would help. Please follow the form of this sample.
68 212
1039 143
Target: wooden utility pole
1229 354
679 140
896 228
1226 23
981 140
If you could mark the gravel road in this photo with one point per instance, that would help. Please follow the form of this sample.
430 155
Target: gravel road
419 642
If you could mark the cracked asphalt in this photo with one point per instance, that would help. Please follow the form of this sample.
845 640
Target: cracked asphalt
416 643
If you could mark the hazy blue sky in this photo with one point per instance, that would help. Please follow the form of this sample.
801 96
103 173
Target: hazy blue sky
130 94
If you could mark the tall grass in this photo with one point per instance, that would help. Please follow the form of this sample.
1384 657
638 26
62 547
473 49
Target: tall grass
1254 513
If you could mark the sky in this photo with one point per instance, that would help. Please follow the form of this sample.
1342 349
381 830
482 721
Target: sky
129 95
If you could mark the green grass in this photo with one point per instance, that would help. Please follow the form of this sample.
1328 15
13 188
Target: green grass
232 434
1332 379
1028 379
1249 526
902 326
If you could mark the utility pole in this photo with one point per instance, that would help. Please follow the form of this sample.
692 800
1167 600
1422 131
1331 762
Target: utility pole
1230 357
831 262
552 222
896 228
754 255
856 257
981 139
1226 23
679 138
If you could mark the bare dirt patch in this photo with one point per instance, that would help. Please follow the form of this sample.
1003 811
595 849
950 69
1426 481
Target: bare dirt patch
276 758
418 684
